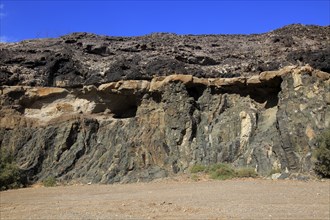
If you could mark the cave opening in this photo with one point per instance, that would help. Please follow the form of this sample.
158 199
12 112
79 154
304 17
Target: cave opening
264 93
196 91
120 105
128 112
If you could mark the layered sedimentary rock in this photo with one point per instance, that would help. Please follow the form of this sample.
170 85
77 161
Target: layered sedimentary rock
105 109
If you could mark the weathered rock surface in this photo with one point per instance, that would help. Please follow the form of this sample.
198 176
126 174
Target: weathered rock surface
103 109
86 59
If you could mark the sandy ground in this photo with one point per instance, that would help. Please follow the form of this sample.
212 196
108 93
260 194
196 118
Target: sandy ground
172 199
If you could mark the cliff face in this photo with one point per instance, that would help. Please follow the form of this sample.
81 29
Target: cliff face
105 109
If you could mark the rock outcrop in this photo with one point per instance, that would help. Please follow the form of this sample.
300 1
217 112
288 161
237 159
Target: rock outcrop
85 59
109 109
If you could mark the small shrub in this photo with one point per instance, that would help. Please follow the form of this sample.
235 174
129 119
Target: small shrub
194 177
322 153
221 172
49 181
217 166
10 175
198 168
246 172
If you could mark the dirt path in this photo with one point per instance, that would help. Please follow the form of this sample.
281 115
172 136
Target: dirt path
233 199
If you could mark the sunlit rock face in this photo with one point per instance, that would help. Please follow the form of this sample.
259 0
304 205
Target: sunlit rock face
107 109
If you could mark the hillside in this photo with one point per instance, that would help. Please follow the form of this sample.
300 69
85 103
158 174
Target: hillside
105 109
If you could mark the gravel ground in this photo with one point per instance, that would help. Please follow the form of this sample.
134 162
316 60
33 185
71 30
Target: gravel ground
172 199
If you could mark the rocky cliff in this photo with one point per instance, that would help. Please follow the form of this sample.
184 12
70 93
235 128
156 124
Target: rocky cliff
116 109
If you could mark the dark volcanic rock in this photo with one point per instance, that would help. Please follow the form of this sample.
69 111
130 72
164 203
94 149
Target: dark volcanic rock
319 59
93 59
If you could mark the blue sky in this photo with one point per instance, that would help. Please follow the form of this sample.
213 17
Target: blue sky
52 18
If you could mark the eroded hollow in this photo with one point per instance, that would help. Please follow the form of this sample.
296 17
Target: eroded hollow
121 106
195 91
264 92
